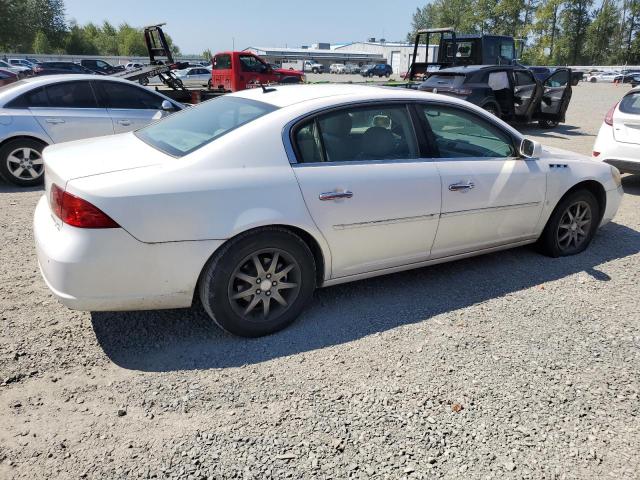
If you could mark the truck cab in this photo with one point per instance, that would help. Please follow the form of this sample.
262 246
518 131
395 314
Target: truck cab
233 71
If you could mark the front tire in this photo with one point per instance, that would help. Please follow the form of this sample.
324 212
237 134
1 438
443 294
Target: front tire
258 283
571 226
21 162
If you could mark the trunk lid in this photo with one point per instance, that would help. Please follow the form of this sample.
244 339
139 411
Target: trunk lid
626 119
96 156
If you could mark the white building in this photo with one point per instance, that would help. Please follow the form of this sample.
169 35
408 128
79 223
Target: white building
397 54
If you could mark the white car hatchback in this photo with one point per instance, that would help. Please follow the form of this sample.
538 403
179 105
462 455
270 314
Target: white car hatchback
252 200
618 141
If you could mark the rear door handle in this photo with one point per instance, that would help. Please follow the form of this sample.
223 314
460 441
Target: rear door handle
54 121
461 187
335 195
124 123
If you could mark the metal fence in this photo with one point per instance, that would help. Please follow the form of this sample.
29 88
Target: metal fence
113 60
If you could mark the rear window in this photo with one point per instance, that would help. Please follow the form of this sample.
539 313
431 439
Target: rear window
630 103
222 62
185 132
450 81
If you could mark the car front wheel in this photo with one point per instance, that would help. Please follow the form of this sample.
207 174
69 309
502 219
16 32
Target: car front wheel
258 283
572 225
21 162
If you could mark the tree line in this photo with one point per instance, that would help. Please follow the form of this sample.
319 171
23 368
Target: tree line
553 32
40 27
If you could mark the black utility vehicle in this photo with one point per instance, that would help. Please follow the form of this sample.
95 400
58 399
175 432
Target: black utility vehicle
100 66
379 70
509 92
56 68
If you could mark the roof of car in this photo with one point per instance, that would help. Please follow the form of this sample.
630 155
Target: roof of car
475 68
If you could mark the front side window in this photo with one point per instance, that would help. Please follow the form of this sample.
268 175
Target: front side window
461 134
71 95
189 130
359 133
559 79
630 103
251 64
128 97
523 78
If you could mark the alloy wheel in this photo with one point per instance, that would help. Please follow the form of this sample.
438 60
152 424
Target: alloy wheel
264 285
575 226
25 163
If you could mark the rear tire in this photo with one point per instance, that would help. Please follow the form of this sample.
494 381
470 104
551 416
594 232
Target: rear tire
243 291
548 123
21 162
572 225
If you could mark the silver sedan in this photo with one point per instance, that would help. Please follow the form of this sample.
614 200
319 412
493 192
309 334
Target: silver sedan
41 111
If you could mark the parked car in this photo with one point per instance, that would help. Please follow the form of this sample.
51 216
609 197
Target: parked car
379 70
60 68
184 210
618 141
312 66
509 92
59 108
17 69
20 62
633 77
194 76
133 66
100 66
337 68
607 77
351 68
7 77
233 71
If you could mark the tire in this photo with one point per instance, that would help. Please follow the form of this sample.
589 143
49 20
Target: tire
232 271
209 85
314 70
553 241
370 75
493 109
144 81
548 123
593 80
388 75
21 162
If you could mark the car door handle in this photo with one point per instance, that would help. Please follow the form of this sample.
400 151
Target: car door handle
461 187
335 195
54 121
124 123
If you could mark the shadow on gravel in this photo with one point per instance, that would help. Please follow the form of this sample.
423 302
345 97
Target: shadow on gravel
562 130
177 340
6 187
631 184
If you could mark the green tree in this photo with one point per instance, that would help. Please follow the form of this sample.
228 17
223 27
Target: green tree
575 19
601 34
41 43
207 54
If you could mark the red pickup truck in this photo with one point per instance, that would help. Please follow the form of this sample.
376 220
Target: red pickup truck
233 71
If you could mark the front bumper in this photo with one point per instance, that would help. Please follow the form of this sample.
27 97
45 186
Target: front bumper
614 198
108 269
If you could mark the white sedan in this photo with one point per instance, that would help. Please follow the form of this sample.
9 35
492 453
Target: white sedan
618 141
607 77
199 76
252 200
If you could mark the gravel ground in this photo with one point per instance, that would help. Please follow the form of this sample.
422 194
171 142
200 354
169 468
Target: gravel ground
509 365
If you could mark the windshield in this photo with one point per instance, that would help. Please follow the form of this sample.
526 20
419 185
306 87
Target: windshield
185 132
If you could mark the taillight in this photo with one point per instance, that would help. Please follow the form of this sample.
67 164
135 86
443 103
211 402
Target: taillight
77 212
608 118
595 154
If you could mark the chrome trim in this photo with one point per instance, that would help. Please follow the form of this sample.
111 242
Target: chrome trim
335 195
461 187
497 209
388 221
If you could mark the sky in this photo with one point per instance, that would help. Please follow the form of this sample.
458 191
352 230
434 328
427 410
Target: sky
196 25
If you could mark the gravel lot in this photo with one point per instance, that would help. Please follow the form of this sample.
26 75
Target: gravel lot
510 365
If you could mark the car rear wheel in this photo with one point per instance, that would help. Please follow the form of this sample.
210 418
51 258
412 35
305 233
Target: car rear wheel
571 226
493 109
548 123
258 283
21 162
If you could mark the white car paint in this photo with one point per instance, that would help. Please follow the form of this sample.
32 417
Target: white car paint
618 143
198 76
175 213
607 77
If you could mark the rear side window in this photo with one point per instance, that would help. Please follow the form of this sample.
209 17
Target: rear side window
461 134
189 130
359 133
523 78
630 103
222 62
128 97
34 98
71 95
448 81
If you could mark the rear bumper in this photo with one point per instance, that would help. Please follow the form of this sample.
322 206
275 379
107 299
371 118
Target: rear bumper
624 156
108 269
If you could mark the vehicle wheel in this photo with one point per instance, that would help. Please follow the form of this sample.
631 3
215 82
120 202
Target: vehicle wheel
371 75
387 75
314 70
593 80
571 226
21 162
548 123
144 81
493 109
209 85
258 283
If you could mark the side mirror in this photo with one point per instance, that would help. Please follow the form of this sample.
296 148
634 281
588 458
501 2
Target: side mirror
167 106
530 148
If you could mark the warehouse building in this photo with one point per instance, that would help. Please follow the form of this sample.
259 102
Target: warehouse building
322 54
397 54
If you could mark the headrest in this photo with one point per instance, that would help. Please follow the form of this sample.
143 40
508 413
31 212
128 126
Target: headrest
338 125
377 142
